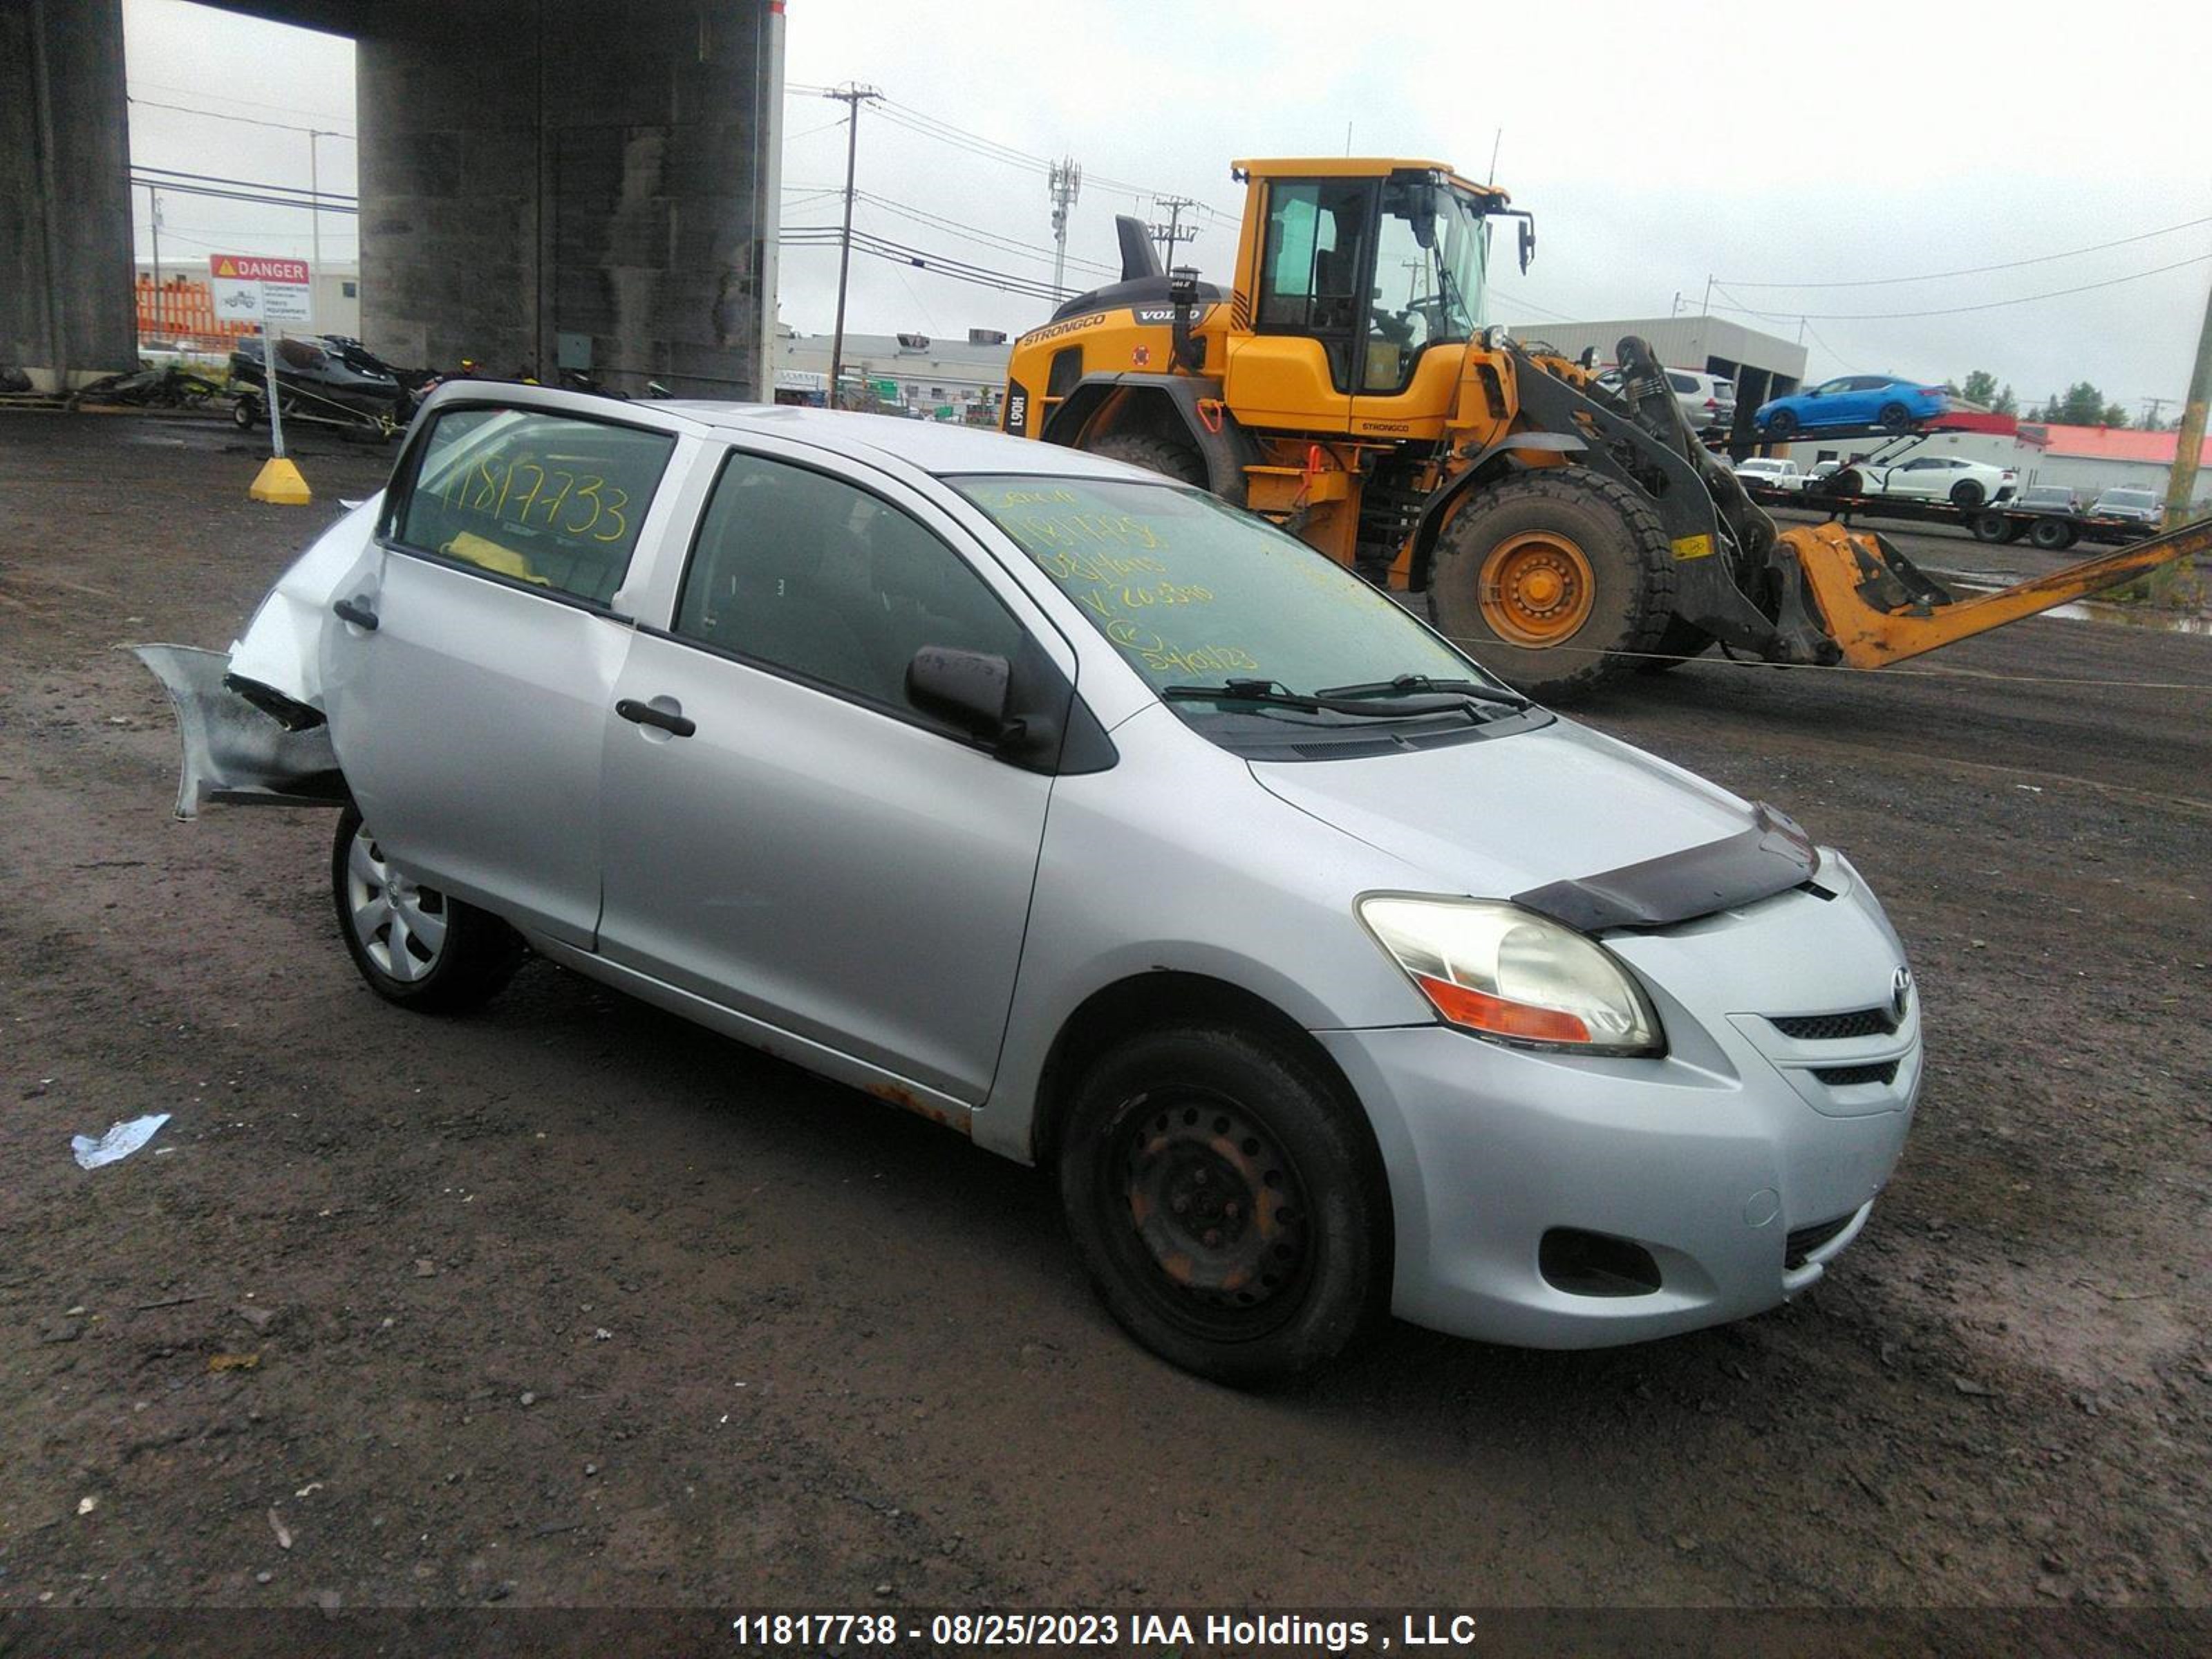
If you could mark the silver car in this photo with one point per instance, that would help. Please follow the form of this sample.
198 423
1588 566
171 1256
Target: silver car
1097 821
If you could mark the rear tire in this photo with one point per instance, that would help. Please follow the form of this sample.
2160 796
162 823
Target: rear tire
1968 493
1577 567
1991 527
243 415
2052 535
1227 1205
1164 456
1781 424
413 945
1895 417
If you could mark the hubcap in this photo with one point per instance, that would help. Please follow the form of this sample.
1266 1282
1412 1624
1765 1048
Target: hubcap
1216 1204
1537 588
401 924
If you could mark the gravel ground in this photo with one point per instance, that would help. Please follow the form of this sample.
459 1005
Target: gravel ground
571 1303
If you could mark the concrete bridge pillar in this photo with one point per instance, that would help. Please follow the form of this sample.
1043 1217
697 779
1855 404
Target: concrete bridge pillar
570 182
68 306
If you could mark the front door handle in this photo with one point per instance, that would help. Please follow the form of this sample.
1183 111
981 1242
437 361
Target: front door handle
644 714
355 611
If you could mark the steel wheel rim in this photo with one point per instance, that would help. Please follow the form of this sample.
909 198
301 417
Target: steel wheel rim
400 924
1211 1210
1537 588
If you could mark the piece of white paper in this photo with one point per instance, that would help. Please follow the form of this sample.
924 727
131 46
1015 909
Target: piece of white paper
119 1142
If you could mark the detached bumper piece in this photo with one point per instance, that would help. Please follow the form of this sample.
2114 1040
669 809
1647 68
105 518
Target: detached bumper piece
235 748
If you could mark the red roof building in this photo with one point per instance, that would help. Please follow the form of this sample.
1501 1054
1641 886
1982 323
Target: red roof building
2108 443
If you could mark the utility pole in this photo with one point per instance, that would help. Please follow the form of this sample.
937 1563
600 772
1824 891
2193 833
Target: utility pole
852 96
1172 232
2188 441
2151 406
1066 183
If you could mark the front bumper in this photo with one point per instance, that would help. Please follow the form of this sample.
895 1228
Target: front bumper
1708 1160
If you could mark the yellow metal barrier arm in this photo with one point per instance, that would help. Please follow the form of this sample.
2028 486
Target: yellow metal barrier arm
1856 590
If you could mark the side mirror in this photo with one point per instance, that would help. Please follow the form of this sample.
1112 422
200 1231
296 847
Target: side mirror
1527 245
971 689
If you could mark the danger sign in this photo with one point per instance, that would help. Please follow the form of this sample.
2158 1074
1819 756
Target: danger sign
250 289
254 268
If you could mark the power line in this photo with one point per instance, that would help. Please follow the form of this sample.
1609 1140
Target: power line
233 98
1953 311
959 137
1978 270
247 121
989 238
882 247
172 186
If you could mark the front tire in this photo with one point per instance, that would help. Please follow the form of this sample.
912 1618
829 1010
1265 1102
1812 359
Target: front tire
243 415
1227 1205
413 945
1781 424
1681 641
1164 456
1556 580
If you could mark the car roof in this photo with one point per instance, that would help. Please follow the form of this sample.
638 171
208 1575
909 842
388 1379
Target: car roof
935 446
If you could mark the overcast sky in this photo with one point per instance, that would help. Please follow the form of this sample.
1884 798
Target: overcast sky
1659 146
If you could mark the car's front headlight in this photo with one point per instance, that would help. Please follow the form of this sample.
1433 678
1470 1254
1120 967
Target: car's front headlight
1509 974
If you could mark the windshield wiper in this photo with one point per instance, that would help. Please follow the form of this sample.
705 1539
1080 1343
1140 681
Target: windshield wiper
1405 684
1273 694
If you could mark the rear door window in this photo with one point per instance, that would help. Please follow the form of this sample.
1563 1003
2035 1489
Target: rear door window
541 500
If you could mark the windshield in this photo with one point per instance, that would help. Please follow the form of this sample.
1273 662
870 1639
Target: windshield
1194 592
1429 266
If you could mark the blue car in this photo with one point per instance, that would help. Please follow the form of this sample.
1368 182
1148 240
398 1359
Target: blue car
1881 400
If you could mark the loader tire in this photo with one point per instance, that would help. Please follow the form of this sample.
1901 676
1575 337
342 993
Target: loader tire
1679 642
1164 456
1556 581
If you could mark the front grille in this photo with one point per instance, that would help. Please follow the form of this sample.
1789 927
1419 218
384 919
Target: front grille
1803 1240
1842 1077
1835 1028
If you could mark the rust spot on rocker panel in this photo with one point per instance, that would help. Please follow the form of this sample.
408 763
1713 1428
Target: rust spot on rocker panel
907 1100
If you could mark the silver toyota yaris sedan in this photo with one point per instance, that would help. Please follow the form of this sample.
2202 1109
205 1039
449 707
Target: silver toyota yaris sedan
1102 822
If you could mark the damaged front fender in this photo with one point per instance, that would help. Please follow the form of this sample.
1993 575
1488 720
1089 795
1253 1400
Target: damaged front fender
235 748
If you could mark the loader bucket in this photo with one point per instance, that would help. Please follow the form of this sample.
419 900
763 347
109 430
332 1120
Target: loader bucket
1880 608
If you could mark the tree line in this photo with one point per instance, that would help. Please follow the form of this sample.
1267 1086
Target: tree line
2080 405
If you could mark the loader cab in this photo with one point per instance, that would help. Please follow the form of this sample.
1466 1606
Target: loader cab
1372 262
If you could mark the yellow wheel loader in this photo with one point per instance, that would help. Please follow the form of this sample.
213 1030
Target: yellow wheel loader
1565 531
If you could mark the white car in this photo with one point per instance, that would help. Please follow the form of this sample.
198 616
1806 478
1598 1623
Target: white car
1774 473
1950 478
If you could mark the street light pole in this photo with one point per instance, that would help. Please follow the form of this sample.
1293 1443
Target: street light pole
315 201
153 223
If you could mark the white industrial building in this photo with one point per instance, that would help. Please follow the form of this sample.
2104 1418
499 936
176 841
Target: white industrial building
939 380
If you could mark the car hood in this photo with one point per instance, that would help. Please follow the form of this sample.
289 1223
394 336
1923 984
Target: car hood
1562 819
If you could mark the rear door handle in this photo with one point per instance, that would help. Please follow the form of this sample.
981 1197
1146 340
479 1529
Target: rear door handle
644 714
355 611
